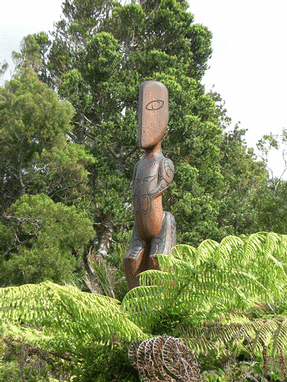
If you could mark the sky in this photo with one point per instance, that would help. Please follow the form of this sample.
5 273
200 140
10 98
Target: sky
248 66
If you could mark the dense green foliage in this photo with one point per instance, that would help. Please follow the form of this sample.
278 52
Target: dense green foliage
204 283
44 240
100 54
80 334
70 132
68 142
43 179
244 183
216 297
36 156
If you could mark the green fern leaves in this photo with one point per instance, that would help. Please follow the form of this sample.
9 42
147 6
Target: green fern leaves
47 314
258 333
212 280
218 298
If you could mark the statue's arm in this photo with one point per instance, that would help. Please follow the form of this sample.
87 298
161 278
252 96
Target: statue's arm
134 177
165 177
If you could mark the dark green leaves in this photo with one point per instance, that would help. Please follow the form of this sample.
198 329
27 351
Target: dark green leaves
42 240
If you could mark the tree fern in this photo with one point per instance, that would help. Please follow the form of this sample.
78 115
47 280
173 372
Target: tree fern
231 275
62 316
213 293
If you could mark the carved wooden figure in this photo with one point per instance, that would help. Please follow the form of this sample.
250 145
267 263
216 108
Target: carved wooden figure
154 230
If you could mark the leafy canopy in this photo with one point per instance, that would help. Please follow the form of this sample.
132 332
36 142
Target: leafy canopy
42 240
99 55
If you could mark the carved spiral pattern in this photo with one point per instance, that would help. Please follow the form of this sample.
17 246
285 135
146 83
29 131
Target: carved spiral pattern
164 358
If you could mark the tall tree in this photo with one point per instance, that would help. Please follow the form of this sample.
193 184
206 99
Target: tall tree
42 240
36 155
273 200
244 180
40 237
100 53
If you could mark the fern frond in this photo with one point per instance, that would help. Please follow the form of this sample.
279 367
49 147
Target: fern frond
223 334
205 250
216 278
225 250
185 252
253 245
145 303
258 334
155 277
204 346
185 330
187 289
280 337
271 243
248 330
281 254
74 315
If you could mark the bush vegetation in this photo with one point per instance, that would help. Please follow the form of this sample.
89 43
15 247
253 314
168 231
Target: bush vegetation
68 142
217 298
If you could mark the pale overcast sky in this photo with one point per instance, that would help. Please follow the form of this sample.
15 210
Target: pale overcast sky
248 67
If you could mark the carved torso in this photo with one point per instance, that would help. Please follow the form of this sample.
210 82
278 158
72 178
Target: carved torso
152 175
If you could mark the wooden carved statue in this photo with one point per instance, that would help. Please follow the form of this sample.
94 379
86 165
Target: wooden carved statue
154 230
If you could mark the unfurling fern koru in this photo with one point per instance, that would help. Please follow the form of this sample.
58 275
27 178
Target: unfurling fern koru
164 358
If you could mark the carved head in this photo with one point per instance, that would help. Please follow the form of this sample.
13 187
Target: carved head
152 113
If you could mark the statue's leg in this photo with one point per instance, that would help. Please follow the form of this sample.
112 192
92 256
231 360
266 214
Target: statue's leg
136 259
164 241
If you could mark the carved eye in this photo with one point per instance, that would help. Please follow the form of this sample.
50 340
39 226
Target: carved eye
155 105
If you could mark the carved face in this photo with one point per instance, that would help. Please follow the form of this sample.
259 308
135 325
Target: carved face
152 114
